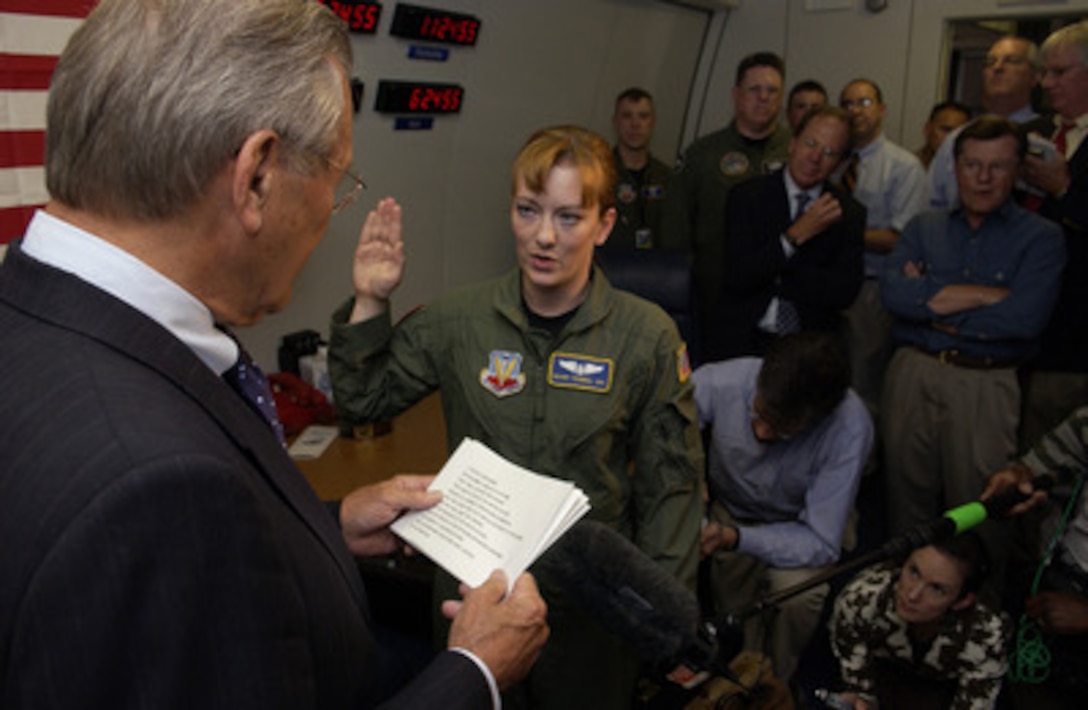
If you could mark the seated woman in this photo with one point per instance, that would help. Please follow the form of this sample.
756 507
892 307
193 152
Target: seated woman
916 636
555 370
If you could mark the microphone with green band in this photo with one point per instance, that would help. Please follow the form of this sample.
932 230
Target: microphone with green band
967 516
953 522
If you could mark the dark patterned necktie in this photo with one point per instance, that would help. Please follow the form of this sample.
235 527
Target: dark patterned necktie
787 320
802 202
248 381
850 175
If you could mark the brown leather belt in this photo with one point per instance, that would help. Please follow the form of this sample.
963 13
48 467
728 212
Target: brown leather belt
971 362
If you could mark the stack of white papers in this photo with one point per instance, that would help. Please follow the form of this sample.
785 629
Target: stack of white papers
494 515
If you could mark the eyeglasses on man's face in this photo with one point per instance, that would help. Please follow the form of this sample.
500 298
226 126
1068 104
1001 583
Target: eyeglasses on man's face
347 190
863 102
1013 60
997 168
772 429
825 151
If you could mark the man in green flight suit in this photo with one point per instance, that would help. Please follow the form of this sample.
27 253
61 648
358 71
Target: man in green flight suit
754 143
641 178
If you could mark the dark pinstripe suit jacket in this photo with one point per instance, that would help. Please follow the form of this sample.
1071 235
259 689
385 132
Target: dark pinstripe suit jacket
158 549
821 279
1063 346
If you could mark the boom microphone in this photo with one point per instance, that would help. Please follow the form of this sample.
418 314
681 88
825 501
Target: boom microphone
953 522
633 597
962 518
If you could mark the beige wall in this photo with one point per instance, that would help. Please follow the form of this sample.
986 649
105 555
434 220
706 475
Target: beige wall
536 63
901 48
563 61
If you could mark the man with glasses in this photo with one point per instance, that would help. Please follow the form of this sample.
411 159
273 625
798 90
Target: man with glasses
970 289
792 245
890 182
787 444
1009 75
754 143
1058 379
158 547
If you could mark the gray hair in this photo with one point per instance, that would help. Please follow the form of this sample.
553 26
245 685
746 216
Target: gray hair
151 98
1031 52
1074 36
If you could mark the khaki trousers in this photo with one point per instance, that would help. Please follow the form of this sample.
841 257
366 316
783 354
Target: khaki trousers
738 581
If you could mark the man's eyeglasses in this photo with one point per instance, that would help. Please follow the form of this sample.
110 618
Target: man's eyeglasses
347 190
1010 59
863 102
998 168
1056 72
781 431
826 151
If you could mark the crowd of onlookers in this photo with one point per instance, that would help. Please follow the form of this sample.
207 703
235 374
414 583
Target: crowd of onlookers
949 287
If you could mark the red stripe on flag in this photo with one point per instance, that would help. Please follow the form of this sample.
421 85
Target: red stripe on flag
20 149
28 73
56 8
13 221
21 71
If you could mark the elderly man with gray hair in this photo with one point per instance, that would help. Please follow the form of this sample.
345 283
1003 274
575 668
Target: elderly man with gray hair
1058 378
158 547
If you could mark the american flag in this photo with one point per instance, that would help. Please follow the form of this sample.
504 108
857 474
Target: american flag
32 35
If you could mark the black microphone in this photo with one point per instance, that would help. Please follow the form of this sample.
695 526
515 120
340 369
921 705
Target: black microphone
962 518
634 598
953 522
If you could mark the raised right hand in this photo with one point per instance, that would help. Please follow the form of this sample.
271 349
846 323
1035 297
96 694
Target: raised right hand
505 631
378 264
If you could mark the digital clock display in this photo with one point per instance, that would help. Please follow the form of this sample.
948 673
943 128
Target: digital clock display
424 23
414 97
362 16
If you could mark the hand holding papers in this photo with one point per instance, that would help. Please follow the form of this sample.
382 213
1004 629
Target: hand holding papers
493 514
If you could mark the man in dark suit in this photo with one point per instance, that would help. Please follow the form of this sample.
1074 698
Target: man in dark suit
1058 378
158 549
794 245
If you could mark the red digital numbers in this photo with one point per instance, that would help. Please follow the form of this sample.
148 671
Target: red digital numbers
428 99
418 97
360 16
467 31
446 29
418 22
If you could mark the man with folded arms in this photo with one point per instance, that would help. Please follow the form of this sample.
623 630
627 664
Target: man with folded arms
970 289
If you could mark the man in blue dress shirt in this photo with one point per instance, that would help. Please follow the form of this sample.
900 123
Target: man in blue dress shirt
971 289
787 446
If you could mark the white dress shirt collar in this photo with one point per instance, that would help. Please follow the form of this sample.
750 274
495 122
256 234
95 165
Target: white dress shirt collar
793 190
64 246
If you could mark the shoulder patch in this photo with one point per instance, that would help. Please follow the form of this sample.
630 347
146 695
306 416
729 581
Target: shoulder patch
733 164
626 193
503 376
580 372
683 363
